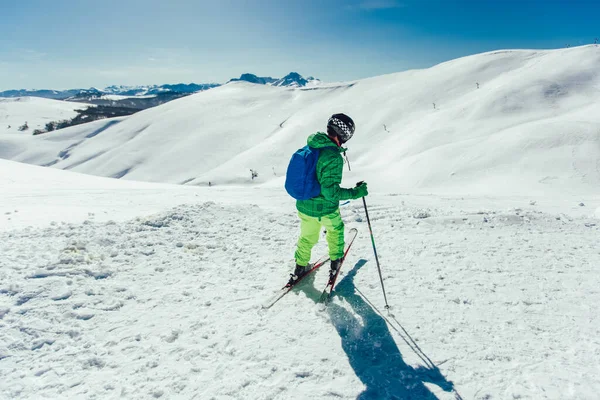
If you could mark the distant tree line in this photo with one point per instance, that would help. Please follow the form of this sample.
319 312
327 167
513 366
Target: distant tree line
90 114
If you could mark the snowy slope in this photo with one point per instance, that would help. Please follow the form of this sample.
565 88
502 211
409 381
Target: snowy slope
532 127
37 112
36 197
100 299
124 289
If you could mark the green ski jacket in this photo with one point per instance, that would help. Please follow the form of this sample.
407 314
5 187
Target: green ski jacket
329 174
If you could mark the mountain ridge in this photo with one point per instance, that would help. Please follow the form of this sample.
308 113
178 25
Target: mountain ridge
292 79
526 122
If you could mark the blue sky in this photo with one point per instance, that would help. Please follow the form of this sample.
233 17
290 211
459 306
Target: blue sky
73 43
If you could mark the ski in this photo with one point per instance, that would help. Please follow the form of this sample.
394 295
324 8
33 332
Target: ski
288 287
326 295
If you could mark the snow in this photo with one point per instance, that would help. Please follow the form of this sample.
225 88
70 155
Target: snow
117 288
100 297
34 197
531 128
37 112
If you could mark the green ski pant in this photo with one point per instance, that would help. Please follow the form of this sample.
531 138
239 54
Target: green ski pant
310 227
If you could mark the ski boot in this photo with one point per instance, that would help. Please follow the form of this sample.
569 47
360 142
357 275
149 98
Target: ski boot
299 272
333 269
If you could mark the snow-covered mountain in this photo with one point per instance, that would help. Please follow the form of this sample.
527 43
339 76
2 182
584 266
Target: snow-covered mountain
292 80
34 111
508 121
114 288
251 78
140 97
47 94
78 94
157 89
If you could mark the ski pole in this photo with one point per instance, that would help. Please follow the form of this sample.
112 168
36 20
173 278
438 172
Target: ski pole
374 249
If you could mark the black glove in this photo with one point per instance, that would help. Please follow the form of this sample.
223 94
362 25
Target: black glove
360 190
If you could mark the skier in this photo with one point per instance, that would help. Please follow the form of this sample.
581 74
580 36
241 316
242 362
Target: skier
324 209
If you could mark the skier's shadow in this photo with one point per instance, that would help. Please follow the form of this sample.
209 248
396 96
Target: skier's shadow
372 351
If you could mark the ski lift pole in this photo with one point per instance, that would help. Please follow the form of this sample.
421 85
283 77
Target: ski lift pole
375 251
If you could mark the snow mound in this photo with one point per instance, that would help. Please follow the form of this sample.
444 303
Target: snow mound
37 112
33 196
506 122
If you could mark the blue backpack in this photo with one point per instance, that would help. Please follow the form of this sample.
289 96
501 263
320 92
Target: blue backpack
301 176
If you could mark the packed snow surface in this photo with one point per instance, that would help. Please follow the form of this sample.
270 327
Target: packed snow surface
114 289
510 122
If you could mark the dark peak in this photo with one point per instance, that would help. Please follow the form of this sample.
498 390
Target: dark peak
248 75
259 80
291 79
293 75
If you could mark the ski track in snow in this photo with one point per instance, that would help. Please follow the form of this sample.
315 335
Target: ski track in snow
168 306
